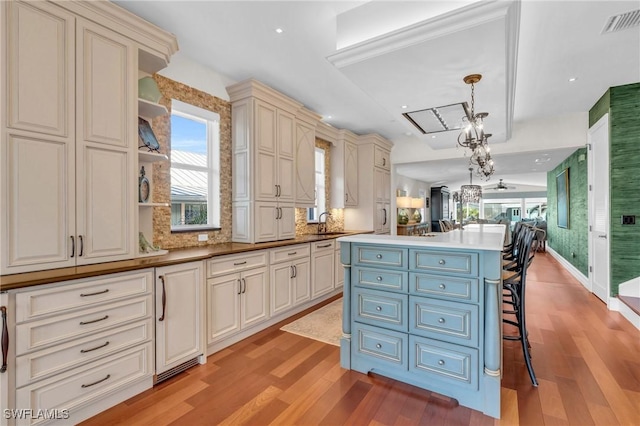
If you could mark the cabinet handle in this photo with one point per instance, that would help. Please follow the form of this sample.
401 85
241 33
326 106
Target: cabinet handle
385 216
441 320
384 161
378 345
244 286
441 362
95 320
346 197
442 286
5 339
292 253
84 351
379 278
81 245
239 286
164 298
240 263
278 190
324 246
94 294
292 273
378 308
441 261
378 256
73 246
280 209
295 271
95 383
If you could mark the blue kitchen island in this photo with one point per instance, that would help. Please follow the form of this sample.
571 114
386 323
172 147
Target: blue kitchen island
427 311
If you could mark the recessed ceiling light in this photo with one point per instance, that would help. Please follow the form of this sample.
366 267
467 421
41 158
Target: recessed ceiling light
329 116
404 107
408 133
572 79
279 30
543 159
433 136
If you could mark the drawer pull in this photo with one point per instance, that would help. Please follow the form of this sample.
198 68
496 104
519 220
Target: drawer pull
441 320
94 294
95 320
441 362
325 245
292 253
240 263
379 278
441 261
378 345
378 308
84 351
442 286
95 383
378 256
164 298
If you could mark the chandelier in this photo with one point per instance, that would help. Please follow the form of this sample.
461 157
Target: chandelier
473 136
470 193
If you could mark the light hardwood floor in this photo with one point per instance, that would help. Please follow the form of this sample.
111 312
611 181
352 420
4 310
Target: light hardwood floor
585 357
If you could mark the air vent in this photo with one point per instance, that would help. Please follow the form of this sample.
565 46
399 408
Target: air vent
622 22
438 119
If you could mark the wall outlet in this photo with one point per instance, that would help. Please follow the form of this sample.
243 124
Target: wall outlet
203 237
628 219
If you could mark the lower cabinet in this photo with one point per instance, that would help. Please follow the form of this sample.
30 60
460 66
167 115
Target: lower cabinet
82 346
236 301
179 315
322 267
289 274
339 269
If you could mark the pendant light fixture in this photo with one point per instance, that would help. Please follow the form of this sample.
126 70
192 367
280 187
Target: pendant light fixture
470 193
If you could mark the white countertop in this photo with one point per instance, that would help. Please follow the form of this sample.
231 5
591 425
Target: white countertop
475 236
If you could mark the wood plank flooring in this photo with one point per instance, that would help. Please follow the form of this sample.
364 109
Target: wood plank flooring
585 358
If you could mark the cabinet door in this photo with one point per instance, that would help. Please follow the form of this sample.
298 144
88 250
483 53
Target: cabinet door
382 182
40 72
351 174
265 176
302 281
223 306
287 222
305 165
286 156
105 163
322 273
255 297
266 222
381 158
179 292
281 287
382 218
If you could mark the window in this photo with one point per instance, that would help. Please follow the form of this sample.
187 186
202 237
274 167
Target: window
195 168
312 214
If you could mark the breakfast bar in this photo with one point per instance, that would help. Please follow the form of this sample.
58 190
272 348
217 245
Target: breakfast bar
426 311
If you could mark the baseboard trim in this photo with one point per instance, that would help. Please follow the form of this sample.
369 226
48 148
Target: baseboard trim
570 268
625 311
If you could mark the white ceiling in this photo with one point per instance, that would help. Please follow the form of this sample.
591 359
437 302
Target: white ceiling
393 53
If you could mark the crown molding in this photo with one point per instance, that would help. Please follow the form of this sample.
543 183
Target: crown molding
256 89
327 132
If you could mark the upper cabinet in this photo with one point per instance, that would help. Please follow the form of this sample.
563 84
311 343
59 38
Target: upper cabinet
344 171
305 158
69 134
266 138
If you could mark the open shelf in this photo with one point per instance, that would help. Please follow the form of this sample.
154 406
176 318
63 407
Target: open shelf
153 204
149 109
151 157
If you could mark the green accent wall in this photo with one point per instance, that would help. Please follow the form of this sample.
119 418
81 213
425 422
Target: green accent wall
624 154
572 242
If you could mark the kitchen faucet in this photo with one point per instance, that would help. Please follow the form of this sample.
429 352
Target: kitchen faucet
322 226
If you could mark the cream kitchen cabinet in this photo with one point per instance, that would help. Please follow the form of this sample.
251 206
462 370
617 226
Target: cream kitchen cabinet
179 318
344 171
8 362
339 269
68 140
374 189
237 293
290 277
83 345
305 158
322 267
264 149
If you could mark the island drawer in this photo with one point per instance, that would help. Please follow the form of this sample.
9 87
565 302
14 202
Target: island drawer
442 362
388 257
443 320
386 347
443 287
449 262
379 308
381 279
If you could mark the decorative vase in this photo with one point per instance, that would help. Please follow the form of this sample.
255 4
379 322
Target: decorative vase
417 216
403 217
148 90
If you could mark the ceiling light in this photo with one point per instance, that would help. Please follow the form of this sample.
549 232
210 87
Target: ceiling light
404 107
572 79
279 30
470 193
473 135
433 136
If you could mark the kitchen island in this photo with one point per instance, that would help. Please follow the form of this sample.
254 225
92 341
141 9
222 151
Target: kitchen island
426 311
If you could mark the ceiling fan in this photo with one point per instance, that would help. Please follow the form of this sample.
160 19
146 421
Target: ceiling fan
501 186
